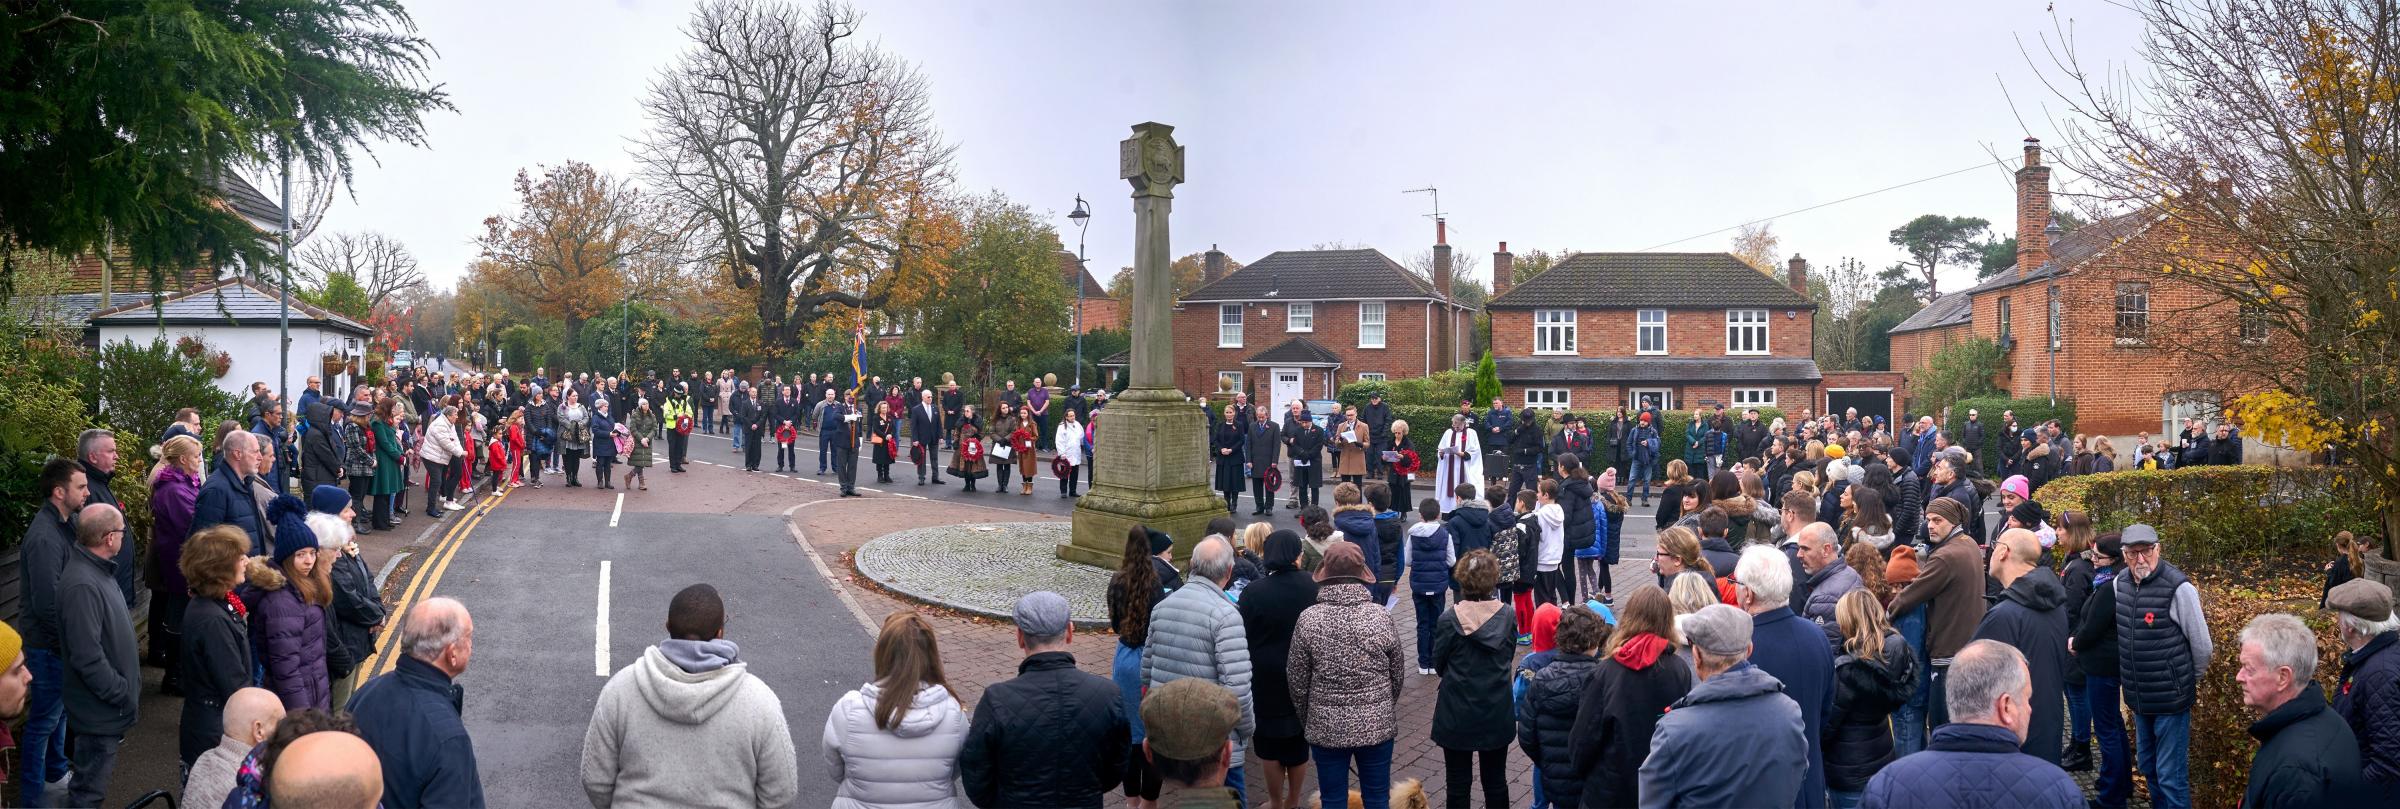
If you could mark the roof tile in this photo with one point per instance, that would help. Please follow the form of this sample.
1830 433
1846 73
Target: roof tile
1316 275
1616 280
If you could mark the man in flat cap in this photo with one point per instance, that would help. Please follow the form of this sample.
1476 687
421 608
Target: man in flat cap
2369 696
1190 742
1054 736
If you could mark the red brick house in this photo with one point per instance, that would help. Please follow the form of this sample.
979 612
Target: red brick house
2079 315
1601 331
1299 324
1098 309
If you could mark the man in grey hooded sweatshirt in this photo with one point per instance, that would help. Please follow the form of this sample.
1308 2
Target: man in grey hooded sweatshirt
688 725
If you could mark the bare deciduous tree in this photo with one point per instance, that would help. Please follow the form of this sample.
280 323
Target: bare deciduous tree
2265 140
379 263
806 155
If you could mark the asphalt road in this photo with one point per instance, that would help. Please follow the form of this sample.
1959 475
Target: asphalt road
532 574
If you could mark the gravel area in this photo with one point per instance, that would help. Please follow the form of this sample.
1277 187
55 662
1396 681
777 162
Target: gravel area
984 567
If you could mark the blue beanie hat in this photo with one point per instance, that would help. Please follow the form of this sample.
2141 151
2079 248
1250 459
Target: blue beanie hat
290 516
328 498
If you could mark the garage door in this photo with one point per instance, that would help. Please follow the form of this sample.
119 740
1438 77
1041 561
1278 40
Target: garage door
1869 401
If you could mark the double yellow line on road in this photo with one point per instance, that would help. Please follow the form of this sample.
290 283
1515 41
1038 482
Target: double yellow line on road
420 586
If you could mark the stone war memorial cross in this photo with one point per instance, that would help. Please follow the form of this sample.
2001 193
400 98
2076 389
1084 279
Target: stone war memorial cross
1153 444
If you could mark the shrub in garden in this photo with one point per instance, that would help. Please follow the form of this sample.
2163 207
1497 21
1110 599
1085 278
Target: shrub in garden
137 387
41 413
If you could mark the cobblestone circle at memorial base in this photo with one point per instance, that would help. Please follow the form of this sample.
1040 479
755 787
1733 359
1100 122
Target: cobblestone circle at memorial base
984 567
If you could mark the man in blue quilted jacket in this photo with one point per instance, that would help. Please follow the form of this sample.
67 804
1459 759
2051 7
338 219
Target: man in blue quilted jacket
1974 760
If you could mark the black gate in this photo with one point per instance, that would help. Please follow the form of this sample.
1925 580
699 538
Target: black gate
1874 402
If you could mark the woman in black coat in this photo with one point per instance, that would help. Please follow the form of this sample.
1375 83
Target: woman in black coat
883 431
1228 446
1638 676
1270 608
1474 650
216 637
1874 676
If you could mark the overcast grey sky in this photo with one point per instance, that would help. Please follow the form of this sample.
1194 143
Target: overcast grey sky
1580 125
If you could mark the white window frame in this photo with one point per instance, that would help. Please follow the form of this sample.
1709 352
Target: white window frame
1300 316
2005 316
1366 377
1644 327
2133 313
1229 376
1742 321
2254 322
1553 399
1229 315
1554 331
1753 397
1381 323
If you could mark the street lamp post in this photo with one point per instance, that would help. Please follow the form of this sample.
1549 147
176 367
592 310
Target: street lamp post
1083 224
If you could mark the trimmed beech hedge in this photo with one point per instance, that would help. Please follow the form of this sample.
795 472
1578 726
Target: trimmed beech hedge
2226 513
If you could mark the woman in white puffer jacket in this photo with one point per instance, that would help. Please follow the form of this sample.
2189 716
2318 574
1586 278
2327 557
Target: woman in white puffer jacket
898 753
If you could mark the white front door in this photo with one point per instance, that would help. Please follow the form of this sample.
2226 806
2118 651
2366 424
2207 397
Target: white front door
1286 388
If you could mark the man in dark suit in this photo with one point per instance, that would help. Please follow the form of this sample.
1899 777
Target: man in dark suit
1266 450
841 422
925 422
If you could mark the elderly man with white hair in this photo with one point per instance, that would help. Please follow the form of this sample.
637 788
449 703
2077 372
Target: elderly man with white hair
2306 755
411 715
1791 649
1737 739
2369 695
1974 760
1197 632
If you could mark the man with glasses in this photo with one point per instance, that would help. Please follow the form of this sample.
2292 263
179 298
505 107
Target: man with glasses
2162 647
95 631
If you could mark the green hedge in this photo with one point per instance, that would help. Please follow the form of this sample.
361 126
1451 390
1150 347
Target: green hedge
1671 443
2226 513
2029 412
1443 389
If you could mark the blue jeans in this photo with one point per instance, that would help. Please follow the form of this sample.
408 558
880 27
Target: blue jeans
824 451
1127 672
2162 744
1908 723
708 419
1233 780
2114 784
42 747
1429 612
1844 800
737 437
1642 471
2079 716
1333 774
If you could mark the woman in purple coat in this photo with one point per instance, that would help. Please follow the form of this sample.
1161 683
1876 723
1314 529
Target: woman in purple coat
287 599
174 494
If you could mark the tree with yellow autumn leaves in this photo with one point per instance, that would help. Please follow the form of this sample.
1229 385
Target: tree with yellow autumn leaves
2265 135
579 241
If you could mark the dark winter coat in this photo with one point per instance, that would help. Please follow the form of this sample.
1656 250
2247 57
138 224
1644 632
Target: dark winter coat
2369 700
1347 668
1858 733
2031 615
357 609
1228 448
1546 724
1358 526
225 499
2096 634
215 663
1271 608
320 448
1575 497
1387 539
1794 651
1306 445
1265 447
1430 556
1622 702
1735 740
49 540
1470 527
1471 711
411 719
174 497
1972 765
1720 555
95 645
289 635
2307 758
2076 577
2155 656
1054 736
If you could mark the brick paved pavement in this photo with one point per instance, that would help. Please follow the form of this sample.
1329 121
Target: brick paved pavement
977 651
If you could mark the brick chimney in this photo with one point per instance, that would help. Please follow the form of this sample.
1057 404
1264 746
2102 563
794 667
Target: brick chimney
1504 270
2033 210
1798 270
1441 258
1212 266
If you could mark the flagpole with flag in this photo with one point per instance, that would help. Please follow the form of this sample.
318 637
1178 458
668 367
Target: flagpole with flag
858 359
